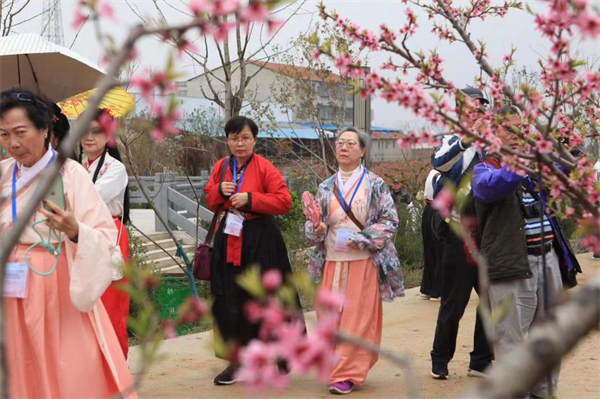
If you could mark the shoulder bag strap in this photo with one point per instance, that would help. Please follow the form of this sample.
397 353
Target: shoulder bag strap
213 223
350 214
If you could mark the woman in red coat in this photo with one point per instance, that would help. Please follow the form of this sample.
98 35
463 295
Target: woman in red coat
251 192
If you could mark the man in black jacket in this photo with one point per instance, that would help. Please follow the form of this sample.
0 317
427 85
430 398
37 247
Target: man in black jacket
527 257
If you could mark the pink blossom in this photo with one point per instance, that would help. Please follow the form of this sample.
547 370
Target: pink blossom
259 367
198 305
313 353
589 25
289 336
80 18
253 311
570 213
105 10
146 86
444 202
185 46
272 317
344 62
556 189
255 12
273 26
544 146
108 125
327 300
591 241
169 329
200 7
221 32
316 55
271 280
225 7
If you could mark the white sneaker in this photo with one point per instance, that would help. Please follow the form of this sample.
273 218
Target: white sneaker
423 296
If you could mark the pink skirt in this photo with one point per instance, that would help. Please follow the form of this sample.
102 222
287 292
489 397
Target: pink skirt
53 348
361 316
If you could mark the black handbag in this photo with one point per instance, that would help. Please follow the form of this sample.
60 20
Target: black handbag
204 253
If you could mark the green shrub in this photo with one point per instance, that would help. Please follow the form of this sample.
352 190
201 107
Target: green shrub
292 225
409 243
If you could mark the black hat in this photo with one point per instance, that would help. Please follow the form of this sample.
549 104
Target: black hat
475 94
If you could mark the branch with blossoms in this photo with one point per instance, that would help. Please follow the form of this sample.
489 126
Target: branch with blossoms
208 20
544 127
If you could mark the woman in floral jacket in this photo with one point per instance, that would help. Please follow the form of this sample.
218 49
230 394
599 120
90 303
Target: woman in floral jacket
355 254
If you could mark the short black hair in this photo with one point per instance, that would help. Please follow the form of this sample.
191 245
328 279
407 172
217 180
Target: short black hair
238 123
35 107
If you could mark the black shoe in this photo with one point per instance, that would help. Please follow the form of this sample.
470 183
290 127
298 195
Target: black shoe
479 372
227 376
282 365
440 372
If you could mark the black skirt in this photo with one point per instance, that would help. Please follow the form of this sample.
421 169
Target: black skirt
262 245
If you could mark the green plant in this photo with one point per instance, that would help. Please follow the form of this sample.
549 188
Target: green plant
409 243
292 225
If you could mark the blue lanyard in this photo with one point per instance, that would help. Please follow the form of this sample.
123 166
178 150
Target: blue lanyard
241 176
343 201
14 188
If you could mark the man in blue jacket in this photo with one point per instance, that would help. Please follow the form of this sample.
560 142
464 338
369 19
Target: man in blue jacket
455 158
517 246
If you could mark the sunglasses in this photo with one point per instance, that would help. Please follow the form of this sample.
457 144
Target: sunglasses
27 97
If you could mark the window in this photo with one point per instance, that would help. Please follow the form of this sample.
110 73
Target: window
322 90
182 88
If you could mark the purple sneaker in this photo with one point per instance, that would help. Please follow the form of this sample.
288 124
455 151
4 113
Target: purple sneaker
341 388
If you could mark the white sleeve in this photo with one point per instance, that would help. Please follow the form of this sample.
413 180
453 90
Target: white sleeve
113 182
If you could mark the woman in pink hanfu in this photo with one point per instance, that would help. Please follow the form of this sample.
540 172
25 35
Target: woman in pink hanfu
60 342
355 254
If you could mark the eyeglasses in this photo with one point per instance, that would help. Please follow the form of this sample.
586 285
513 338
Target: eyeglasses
244 140
30 98
349 144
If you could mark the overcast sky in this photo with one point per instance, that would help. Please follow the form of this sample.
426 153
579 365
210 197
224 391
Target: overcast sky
516 29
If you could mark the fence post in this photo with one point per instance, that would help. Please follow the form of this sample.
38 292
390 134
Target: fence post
287 172
162 183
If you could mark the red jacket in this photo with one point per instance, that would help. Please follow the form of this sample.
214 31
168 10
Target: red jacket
268 195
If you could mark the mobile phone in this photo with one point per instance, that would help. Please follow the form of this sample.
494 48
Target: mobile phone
56 194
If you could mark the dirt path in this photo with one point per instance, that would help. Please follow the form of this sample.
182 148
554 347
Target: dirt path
189 366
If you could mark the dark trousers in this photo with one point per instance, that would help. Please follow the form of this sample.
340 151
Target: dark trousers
431 283
459 279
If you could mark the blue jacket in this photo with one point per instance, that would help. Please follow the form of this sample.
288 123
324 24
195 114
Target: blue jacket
493 184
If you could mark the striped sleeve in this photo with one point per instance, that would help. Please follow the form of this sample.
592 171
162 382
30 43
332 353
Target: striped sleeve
448 153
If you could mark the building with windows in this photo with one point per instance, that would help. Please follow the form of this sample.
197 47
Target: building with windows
316 97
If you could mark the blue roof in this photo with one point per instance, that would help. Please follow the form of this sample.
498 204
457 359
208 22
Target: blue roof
286 130
333 128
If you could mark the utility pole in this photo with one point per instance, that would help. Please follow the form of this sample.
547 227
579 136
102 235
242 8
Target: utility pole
361 114
52 28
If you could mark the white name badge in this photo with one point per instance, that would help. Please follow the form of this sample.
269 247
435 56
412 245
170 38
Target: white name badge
342 238
15 280
234 224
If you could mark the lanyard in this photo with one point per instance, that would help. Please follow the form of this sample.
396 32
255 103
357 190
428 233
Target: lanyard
45 244
239 184
14 188
348 207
